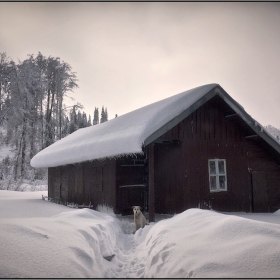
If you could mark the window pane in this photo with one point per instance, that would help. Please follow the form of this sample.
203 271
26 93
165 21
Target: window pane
212 167
222 182
221 164
213 185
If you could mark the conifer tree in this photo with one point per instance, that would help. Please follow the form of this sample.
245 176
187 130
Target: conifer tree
89 121
104 115
85 122
95 116
79 120
65 129
73 125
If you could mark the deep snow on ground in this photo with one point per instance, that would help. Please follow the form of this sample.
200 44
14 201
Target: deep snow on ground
46 240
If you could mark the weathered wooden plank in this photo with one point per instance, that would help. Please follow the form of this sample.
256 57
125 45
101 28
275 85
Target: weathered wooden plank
51 176
64 183
57 183
88 181
97 183
151 190
109 183
71 183
79 181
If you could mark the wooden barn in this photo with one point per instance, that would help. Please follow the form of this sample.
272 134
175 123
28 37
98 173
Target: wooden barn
196 149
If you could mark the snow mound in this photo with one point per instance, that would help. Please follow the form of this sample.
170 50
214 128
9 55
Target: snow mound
202 243
73 249
40 239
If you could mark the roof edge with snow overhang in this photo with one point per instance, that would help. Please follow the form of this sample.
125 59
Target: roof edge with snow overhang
255 126
127 134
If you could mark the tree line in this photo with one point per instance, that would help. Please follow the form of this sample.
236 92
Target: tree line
33 114
78 119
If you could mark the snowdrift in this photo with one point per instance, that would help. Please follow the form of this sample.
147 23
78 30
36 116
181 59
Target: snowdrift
203 243
71 244
40 239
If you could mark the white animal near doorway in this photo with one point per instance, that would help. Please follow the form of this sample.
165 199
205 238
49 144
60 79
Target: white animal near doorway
139 219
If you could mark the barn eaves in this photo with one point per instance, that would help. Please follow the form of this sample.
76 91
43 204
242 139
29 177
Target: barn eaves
129 133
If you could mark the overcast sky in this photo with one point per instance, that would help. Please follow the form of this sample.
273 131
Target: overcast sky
127 55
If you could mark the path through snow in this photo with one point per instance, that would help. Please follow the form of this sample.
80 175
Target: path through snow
40 239
128 261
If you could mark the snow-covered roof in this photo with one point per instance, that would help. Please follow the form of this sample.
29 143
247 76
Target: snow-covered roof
119 136
128 133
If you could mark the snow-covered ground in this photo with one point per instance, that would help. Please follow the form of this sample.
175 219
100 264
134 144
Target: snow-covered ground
45 240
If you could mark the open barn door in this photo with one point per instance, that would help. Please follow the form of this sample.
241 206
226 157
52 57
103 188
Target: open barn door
131 184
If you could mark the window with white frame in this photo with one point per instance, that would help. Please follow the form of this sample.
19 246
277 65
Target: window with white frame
217 175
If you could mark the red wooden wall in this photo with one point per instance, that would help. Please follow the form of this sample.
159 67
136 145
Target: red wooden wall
85 182
181 169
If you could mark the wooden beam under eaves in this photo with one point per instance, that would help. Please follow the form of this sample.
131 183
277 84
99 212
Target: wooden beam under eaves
151 191
252 136
166 141
231 116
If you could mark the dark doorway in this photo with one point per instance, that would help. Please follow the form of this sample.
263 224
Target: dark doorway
260 198
131 184
132 195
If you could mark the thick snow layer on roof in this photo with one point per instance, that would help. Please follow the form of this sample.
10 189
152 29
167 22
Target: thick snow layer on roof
122 135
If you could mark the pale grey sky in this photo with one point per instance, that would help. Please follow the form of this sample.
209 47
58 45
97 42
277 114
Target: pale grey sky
130 54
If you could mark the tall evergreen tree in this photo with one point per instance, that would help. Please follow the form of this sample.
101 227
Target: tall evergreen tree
73 124
84 118
79 120
102 118
104 115
89 121
95 116
65 129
